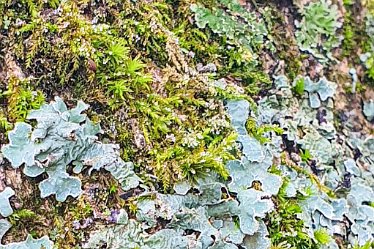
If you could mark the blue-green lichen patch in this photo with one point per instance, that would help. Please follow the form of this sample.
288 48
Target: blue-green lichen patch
325 211
61 137
30 243
368 109
5 207
319 91
4 227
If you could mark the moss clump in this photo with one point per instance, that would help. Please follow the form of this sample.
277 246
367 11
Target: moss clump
20 99
259 131
285 229
353 31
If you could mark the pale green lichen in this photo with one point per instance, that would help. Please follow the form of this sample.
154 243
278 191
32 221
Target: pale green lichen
317 30
30 243
245 29
5 207
4 227
319 91
368 109
61 137
245 173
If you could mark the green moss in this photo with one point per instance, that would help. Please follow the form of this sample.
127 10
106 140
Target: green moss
22 215
353 32
367 245
284 226
299 86
356 39
287 49
82 210
360 88
5 125
194 157
258 132
305 155
23 219
21 99
322 236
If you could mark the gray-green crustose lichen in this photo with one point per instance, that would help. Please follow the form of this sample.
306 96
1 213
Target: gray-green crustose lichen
61 137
